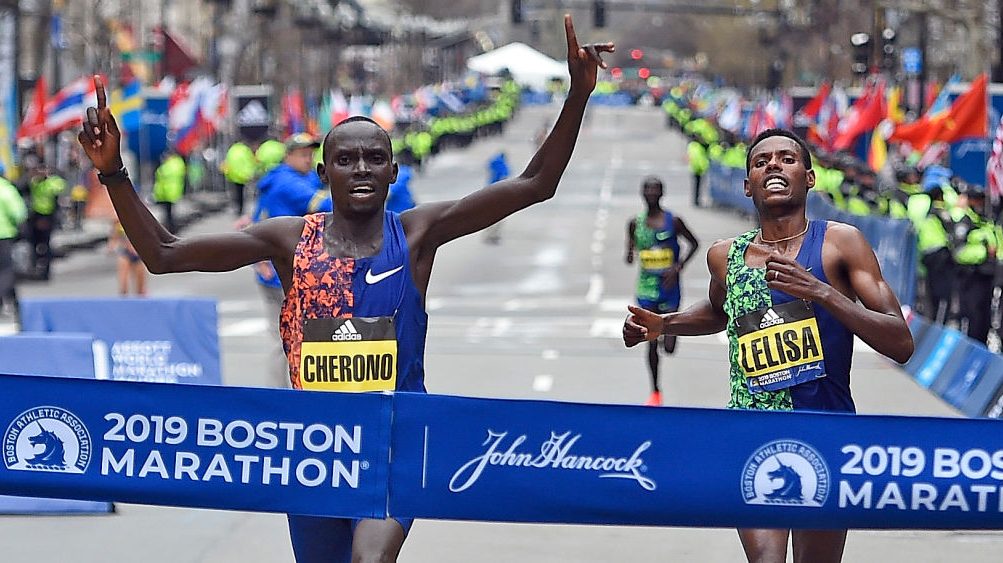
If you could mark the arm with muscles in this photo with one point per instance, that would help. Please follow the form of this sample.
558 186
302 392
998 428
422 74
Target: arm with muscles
877 319
706 317
446 221
161 251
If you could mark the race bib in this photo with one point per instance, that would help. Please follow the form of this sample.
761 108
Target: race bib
656 259
780 347
350 355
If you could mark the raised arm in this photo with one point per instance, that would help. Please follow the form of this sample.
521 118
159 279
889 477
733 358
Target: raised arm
446 221
877 319
161 251
706 317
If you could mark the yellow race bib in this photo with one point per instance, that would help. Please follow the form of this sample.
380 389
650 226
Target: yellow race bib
656 259
780 347
349 355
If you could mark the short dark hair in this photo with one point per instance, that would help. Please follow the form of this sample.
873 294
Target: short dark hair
353 119
805 154
653 181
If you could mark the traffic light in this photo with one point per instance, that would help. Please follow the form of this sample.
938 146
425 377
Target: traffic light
598 13
888 48
516 15
616 72
636 54
643 73
861 52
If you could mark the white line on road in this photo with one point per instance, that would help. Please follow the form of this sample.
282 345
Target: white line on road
595 289
543 383
246 327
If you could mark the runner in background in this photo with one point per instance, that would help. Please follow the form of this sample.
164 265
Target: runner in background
653 237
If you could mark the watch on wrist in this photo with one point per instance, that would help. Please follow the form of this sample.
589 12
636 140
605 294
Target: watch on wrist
120 174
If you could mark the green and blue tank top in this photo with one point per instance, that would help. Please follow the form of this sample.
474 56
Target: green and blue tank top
785 353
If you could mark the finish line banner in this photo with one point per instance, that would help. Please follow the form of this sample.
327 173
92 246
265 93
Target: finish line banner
328 454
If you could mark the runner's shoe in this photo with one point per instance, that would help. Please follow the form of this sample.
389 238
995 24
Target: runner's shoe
654 400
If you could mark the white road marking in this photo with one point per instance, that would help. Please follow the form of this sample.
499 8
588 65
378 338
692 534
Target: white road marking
543 383
606 328
550 354
246 327
595 289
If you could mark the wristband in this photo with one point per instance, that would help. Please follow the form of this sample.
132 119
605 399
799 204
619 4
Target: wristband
120 174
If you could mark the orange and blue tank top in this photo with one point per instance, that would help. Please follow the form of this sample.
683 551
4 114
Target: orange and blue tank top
363 304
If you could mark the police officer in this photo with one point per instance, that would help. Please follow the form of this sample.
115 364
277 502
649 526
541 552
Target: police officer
239 167
169 186
45 188
13 212
696 152
935 255
974 246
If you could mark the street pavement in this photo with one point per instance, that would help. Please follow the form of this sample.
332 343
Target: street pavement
536 316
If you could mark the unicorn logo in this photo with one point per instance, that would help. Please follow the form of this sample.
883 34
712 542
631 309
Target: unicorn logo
53 454
47 439
790 484
786 473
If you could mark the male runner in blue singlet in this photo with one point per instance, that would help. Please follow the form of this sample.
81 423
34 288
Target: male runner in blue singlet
354 277
653 236
821 275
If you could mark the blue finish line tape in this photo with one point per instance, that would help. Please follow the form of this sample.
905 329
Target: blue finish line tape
497 460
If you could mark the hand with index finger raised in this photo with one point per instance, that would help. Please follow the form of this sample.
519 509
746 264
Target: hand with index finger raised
100 137
584 60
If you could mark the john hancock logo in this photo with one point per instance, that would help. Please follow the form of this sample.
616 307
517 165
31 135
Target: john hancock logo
786 472
47 439
557 452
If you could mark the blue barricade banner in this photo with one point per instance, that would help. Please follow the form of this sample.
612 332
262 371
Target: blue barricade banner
264 450
56 355
959 370
893 240
535 461
155 340
42 353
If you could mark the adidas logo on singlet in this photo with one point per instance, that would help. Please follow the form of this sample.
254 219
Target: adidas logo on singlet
346 332
771 318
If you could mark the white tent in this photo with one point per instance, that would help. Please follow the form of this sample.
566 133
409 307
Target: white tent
528 66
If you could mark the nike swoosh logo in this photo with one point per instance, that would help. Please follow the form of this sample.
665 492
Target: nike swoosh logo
371 279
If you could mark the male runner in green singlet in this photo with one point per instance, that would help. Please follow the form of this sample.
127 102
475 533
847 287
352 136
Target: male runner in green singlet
359 270
821 275
653 236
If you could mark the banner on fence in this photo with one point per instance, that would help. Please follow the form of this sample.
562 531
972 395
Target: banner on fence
157 340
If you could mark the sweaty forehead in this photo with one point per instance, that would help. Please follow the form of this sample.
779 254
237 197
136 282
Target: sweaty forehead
358 134
774 144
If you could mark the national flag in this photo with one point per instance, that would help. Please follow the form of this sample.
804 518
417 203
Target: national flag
33 124
339 108
967 117
383 114
67 107
877 153
811 110
731 116
864 116
994 168
126 105
293 114
184 114
942 102
895 112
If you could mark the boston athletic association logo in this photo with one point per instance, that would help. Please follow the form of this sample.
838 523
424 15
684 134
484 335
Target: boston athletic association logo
785 472
47 439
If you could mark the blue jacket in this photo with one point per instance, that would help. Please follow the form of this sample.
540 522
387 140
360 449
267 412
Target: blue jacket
399 199
284 192
497 169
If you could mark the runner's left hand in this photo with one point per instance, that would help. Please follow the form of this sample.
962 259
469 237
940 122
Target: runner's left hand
787 275
584 60
640 325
